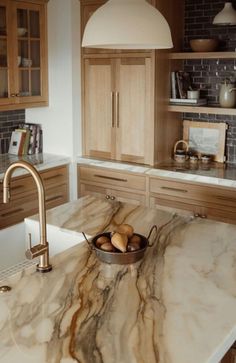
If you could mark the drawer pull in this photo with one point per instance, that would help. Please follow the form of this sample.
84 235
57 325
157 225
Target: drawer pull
17 187
108 197
8 214
53 177
225 198
110 178
175 189
52 199
113 198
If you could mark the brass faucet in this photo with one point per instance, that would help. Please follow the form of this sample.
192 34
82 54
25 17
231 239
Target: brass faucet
42 249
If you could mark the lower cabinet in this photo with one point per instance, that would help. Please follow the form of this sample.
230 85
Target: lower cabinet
112 185
24 198
204 201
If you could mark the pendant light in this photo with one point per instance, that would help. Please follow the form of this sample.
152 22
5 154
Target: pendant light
127 24
227 16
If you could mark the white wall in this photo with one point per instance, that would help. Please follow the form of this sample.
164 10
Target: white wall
61 121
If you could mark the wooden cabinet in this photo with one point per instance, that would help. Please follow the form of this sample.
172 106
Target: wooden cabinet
112 185
118 108
125 98
24 198
206 201
23 54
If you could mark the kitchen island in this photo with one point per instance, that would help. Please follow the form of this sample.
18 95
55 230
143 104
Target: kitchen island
176 305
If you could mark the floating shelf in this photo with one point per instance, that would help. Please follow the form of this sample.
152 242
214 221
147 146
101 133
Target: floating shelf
200 55
203 109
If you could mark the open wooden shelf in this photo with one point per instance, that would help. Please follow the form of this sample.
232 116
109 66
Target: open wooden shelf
200 55
203 109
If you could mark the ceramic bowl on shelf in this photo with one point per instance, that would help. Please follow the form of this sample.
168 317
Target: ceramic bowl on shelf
204 45
21 32
26 62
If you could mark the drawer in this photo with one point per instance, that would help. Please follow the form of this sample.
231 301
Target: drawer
113 178
183 207
20 208
112 194
55 176
224 197
25 184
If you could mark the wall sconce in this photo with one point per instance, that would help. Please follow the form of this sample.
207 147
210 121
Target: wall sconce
227 16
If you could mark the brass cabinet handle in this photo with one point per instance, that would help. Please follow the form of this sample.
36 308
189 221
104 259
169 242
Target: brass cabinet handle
175 189
17 187
17 94
108 196
110 178
225 198
117 110
52 177
13 95
52 199
112 110
113 198
8 214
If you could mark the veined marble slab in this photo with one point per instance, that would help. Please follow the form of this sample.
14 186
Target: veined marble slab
40 161
215 174
113 165
177 305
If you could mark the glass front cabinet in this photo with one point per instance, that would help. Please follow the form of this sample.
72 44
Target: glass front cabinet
23 54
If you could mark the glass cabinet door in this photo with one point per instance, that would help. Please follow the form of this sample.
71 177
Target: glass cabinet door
29 51
4 59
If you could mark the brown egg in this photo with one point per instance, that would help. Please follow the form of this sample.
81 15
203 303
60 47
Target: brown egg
135 239
101 240
133 247
119 241
125 229
107 247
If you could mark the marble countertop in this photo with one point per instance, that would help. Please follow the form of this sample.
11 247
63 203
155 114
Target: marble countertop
176 305
215 173
40 161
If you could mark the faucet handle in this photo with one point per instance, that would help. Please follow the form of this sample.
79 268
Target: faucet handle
29 241
35 251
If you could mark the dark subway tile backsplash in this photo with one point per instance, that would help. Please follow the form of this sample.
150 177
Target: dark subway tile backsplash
208 74
9 120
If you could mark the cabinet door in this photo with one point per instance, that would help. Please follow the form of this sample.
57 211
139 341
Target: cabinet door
99 126
134 110
112 194
30 56
5 60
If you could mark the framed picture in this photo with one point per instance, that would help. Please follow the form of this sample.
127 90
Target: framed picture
206 138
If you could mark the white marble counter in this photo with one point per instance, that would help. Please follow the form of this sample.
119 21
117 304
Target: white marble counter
215 173
177 305
115 165
40 161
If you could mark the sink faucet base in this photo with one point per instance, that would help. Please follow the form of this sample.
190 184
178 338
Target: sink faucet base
44 269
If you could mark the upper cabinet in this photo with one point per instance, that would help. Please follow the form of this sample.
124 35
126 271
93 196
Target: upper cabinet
23 54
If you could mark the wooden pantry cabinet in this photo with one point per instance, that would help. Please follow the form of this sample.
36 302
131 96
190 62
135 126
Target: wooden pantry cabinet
23 54
24 197
112 185
125 98
118 108
205 201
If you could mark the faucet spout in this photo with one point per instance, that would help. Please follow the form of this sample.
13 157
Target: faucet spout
42 248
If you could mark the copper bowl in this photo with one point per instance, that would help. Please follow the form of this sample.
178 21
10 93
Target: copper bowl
204 45
120 258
